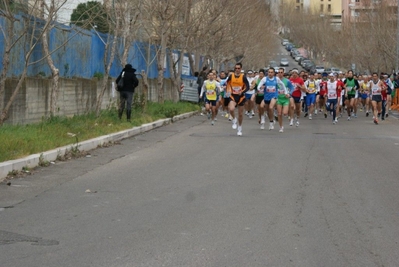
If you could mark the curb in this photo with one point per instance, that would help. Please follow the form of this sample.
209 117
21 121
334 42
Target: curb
32 161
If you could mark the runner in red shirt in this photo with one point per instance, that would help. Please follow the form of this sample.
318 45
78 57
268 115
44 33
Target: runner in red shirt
295 100
322 93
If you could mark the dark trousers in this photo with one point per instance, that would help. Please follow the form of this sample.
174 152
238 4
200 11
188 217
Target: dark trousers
125 99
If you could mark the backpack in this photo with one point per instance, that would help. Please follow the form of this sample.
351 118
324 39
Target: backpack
119 85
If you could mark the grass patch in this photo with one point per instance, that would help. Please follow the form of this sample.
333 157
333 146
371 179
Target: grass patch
18 141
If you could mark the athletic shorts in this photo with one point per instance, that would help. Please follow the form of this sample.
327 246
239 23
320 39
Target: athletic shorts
267 101
283 101
333 102
376 98
238 99
296 99
248 96
321 97
259 99
226 101
389 90
310 99
364 96
350 97
211 102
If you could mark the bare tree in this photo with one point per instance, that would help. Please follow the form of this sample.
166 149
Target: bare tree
27 41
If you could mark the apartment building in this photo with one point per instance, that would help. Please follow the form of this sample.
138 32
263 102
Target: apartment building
359 10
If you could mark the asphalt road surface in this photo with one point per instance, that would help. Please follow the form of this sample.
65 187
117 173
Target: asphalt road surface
192 194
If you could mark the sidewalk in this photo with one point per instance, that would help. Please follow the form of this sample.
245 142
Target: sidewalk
33 160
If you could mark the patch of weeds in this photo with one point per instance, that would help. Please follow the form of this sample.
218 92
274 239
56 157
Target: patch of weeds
43 162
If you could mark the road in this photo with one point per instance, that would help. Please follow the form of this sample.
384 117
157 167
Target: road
192 194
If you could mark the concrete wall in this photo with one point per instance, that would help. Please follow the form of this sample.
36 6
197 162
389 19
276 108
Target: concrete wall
75 97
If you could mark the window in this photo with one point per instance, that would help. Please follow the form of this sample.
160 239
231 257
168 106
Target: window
321 8
329 8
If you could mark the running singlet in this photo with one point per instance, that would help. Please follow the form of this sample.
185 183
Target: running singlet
271 88
259 90
297 83
350 85
281 91
236 84
250 92
340 86
323 88
211 93
332 90
375 88
311 85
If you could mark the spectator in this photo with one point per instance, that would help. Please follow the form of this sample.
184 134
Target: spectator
130 82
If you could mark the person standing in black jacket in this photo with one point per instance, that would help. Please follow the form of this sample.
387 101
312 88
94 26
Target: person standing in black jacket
130 82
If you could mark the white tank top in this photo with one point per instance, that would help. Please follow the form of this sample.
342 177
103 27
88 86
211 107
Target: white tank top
332 90
375 87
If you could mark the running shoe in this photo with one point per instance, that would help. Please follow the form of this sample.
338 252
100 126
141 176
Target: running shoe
375 121
349 118
315 112
271 126
310 116
239 131
213 122
297 123
262 126
306 114
367 114
234 125
281 129
291 122
209 115
334 122
325 115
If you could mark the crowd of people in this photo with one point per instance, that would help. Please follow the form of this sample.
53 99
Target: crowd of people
278 95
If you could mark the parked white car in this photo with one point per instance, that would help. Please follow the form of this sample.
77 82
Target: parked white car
284 42
319 69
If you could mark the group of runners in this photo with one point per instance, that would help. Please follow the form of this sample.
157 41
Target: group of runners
275 95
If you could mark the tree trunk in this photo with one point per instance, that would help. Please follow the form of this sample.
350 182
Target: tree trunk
107 68
160 66
55 74
145 90
6 56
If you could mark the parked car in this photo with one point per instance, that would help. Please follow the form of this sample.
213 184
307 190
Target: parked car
289 47
298 58
284 41
311 67
304 62
284 62
295 53
335 70
319 69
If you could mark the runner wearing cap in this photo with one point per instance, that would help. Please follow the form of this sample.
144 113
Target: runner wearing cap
333 87
249 104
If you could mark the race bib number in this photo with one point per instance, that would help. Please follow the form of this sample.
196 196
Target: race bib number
261 90
210 92
271 89
236 90
281 92
332 95
375 91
